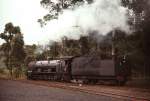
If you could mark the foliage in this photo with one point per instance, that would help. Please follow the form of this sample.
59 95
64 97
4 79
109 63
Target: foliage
13 45
141 23
30 51
56 8
1 70
70 47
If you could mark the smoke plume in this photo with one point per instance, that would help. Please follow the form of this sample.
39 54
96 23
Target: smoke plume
102 15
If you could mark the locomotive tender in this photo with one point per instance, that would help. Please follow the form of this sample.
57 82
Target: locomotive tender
85 68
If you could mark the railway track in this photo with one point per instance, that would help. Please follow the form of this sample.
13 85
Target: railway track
126 93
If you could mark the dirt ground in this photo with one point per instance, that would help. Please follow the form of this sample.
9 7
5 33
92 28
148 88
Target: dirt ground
11 90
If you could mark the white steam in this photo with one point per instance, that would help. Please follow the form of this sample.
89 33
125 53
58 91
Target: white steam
102 16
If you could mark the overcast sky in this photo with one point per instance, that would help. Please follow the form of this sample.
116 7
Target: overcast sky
23 13
100 16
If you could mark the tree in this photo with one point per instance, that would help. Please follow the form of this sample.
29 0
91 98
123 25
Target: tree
84 44
70 47
56 8
30 51
54 49
141 22
13 45
146 31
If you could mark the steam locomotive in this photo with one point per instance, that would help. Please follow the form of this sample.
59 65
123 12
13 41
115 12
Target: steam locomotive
84 68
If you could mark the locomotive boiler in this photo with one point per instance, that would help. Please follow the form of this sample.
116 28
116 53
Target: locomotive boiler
85 68
45 69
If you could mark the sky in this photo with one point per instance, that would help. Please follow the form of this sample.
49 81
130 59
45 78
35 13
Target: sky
102 15
23 13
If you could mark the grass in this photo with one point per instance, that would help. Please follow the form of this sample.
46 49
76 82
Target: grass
5 74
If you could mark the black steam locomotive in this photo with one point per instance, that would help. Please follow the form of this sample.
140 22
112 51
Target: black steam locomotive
84 68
